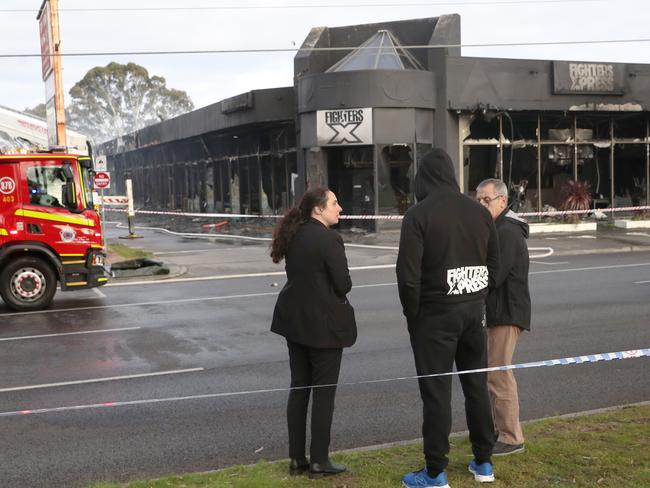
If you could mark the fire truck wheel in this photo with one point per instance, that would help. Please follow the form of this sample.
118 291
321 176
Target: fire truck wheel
28 283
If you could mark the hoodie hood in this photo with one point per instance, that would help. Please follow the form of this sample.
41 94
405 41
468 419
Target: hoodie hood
517 220
435 172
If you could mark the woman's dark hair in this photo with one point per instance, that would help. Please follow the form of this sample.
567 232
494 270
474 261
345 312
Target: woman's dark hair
293 219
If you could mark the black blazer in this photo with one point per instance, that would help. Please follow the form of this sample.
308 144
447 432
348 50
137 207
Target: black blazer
311 309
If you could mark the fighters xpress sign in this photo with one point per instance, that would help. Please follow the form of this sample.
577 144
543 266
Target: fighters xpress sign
467 279
344 127
598 78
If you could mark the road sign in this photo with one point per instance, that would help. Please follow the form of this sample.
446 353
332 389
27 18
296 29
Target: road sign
100 163
102 180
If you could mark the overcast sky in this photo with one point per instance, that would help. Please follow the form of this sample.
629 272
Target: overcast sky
208 78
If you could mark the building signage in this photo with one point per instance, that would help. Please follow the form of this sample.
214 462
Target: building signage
344 127
597 78
45 29
50 117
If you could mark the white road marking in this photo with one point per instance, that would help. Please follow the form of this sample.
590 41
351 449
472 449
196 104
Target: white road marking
141 304
233 276
641 282
42 336
254 295
169 302
198 278
643 234
166 253
98 292
590 269
100 380
371 246
550 263
546 252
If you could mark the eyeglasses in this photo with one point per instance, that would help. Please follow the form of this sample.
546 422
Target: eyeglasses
488 200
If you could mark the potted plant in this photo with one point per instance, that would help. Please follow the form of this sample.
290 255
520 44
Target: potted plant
577 196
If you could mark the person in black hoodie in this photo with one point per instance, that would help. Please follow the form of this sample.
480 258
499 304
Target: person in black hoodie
313 314
508 314
448 252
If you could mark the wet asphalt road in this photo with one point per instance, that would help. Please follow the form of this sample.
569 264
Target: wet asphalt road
222 327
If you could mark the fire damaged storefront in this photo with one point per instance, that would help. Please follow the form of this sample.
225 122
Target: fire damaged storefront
547 123
366 117
236 156
370 100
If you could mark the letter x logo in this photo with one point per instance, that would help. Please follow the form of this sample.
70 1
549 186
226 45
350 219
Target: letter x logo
344 133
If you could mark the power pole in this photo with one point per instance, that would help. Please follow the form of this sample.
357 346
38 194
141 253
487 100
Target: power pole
51 63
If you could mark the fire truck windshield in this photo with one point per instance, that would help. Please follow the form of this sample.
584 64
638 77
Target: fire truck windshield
46 185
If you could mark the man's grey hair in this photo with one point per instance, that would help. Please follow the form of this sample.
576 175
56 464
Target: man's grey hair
500 187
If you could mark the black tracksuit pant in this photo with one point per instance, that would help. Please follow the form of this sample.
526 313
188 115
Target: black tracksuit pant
310 366
440 336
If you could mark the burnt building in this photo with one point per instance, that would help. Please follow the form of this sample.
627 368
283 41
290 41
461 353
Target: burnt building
369 100
235 156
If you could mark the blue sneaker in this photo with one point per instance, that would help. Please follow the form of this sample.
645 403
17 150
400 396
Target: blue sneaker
421 479
483 473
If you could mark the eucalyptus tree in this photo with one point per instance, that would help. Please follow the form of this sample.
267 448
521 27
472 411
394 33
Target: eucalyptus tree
117 99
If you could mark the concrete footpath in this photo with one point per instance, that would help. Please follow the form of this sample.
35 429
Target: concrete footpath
191 256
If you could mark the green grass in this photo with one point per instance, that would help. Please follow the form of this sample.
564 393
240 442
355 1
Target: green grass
609 449
129 252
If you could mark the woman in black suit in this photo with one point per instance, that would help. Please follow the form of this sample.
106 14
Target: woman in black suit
313 314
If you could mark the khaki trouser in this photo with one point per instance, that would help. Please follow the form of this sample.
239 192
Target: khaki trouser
502 386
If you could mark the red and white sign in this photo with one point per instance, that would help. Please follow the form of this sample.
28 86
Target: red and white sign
114 200
45 28
7 185
102 180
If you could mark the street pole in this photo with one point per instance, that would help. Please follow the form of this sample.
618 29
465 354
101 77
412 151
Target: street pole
52 71
130 211
58 75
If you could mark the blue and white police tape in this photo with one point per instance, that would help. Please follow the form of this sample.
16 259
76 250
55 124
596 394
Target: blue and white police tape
589 358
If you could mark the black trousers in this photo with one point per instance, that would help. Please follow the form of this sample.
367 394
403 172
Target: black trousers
440 336
310 366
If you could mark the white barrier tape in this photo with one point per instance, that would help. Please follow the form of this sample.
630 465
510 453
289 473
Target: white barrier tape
384 217
116 200
205 215
591 358
578 212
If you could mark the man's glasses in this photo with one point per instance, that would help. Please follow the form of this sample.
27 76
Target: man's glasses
488 200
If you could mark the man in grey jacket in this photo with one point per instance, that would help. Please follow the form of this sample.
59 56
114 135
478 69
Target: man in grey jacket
507 313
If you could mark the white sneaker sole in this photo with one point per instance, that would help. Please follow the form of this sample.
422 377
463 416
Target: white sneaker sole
481 478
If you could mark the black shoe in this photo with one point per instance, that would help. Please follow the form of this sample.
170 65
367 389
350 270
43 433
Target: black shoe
317 470
503 449
298 466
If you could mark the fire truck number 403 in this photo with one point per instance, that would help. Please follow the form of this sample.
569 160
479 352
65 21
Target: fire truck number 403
50 232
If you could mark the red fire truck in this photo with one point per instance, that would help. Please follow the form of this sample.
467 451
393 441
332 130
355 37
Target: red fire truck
50 231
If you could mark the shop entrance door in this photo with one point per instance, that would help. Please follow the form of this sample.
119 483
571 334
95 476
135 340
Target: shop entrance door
351 175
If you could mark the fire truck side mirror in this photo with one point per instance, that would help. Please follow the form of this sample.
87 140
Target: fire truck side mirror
69 196
69 191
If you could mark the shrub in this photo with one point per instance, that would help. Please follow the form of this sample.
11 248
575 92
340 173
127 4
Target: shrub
577 196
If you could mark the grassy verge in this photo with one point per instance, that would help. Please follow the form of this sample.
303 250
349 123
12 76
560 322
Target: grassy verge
603 450
127 252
